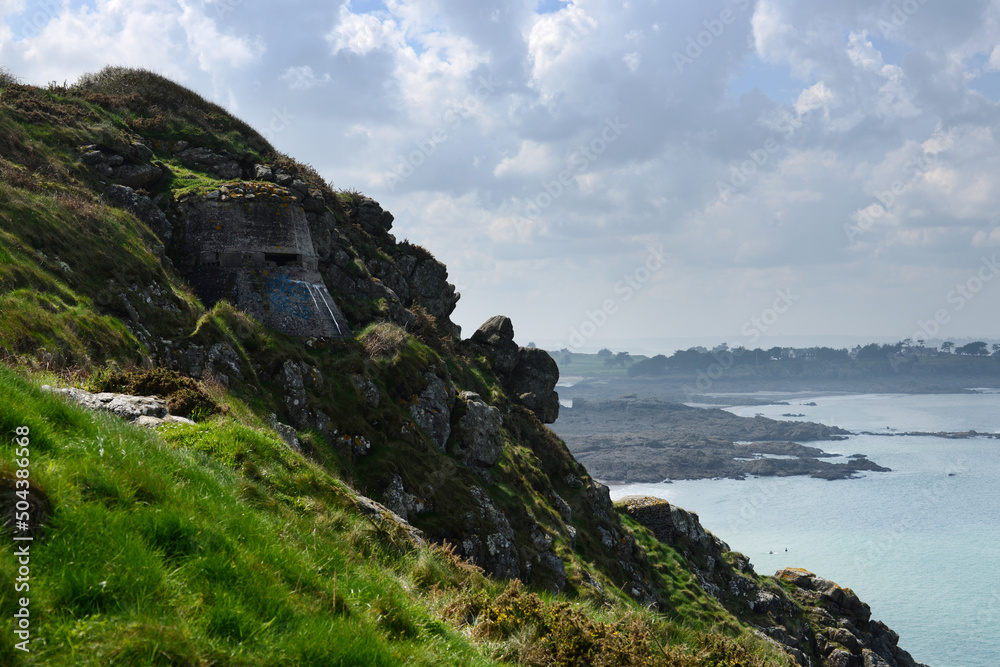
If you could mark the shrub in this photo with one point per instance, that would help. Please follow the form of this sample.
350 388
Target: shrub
7 78
184 395
383 339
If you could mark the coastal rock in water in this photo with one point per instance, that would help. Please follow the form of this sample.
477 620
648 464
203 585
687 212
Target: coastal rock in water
842 622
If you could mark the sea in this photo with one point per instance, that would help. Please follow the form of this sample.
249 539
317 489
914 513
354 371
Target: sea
920 544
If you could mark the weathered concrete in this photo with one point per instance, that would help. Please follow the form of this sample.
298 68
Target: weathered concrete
249 243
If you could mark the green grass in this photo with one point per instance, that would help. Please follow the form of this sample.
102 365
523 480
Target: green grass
207 544
216 544
589 365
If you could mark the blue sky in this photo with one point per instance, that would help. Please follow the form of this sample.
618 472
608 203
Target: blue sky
843 153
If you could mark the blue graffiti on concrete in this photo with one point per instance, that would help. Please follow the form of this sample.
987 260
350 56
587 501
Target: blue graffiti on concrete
289 297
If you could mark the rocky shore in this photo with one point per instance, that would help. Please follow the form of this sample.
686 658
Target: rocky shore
816 621
631 440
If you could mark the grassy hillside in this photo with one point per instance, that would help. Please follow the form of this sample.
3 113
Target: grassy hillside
215 544
218 544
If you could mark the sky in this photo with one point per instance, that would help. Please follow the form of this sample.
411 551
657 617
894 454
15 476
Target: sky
610 174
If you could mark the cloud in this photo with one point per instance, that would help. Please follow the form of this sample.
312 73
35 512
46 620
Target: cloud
532 158
362 33
303 78
60 42
478 126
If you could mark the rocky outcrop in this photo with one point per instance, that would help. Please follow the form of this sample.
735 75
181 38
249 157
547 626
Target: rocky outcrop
223 165
477 440
403 503
845 634
495 339
433 291
682 530
384 518
493 548
401 277
143 208
431 409
372 218
529 375
129 166
633 440
148 411
834 630
533 382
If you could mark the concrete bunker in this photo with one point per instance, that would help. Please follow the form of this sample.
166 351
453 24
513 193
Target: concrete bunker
257 253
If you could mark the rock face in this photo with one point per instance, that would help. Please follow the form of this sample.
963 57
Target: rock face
478 441
529 375
401 502
496 338
434 292
495 551
846 634
250 243
129 166
834 630
431 410
143 208
533 381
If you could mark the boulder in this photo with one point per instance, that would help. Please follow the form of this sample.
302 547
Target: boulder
145 411
129 408
478 441
136 176
495 338
372 218
533 382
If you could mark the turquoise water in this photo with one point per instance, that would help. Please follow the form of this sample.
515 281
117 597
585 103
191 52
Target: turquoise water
920 544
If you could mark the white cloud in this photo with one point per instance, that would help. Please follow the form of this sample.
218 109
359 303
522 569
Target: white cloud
169 37
363 33
817 96
555 44
303 78
532 158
